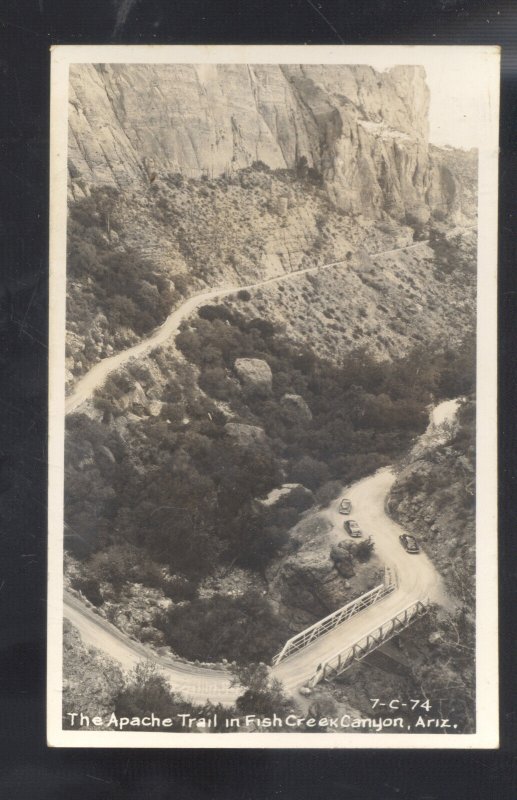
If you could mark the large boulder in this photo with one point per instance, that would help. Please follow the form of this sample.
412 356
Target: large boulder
138 395
255 375
296 405
245 435
342 560
155 407
290 494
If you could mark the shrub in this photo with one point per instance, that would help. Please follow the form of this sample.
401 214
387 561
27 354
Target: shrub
309 472
214 381
147 691
241 629
363 550
259 166
262 695
328 492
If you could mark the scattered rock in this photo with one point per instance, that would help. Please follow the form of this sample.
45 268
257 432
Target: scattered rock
138 395
255 375
154 408
106 453
289 492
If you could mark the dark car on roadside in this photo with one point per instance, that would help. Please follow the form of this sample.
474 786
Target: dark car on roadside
345 506
409 543
353 528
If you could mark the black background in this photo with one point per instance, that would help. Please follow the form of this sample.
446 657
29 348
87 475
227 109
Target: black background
27 768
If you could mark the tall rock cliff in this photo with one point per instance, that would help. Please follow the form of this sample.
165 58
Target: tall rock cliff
365 132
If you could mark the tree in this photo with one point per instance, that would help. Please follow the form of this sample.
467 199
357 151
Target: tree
262 694
310 472
260 166
302 168
363 550
214 381
328 492
146 691
106 198
244 629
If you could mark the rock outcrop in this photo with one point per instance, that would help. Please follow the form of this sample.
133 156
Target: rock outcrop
291 494
296 405
452 192
364 132
309 584
245 435
255 375
434 497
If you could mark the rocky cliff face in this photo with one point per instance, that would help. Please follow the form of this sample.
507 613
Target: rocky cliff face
365 132
309 584
434 498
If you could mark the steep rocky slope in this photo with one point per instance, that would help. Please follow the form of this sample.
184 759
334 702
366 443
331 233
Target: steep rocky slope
434 497
92 690
365 132
173 240
308 584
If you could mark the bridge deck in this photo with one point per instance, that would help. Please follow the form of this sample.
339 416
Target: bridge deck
296 670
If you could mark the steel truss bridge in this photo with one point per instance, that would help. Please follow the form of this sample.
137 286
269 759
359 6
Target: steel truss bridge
323 626
368 643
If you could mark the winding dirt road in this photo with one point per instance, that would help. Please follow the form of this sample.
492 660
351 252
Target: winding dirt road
198 684
96 376
417 579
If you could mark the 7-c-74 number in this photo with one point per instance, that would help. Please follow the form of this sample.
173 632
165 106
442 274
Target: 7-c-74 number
396 705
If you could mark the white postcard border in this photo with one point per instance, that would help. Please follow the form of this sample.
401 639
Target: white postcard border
487 674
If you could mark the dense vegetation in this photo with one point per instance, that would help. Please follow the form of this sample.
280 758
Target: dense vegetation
207 629
167 505
114 293
120 286
364 412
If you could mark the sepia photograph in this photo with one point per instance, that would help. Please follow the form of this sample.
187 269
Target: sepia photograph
272 484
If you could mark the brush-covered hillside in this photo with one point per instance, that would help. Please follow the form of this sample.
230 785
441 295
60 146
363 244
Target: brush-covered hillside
135 257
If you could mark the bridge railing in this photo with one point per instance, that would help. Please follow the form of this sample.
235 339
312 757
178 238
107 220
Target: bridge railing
371 641
323 626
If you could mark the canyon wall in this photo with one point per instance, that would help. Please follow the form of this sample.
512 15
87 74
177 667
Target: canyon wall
365 132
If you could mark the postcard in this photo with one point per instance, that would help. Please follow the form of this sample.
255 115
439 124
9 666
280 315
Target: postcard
273 471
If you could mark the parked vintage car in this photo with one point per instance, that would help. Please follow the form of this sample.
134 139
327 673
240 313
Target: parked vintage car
409 543
353 528
345 506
